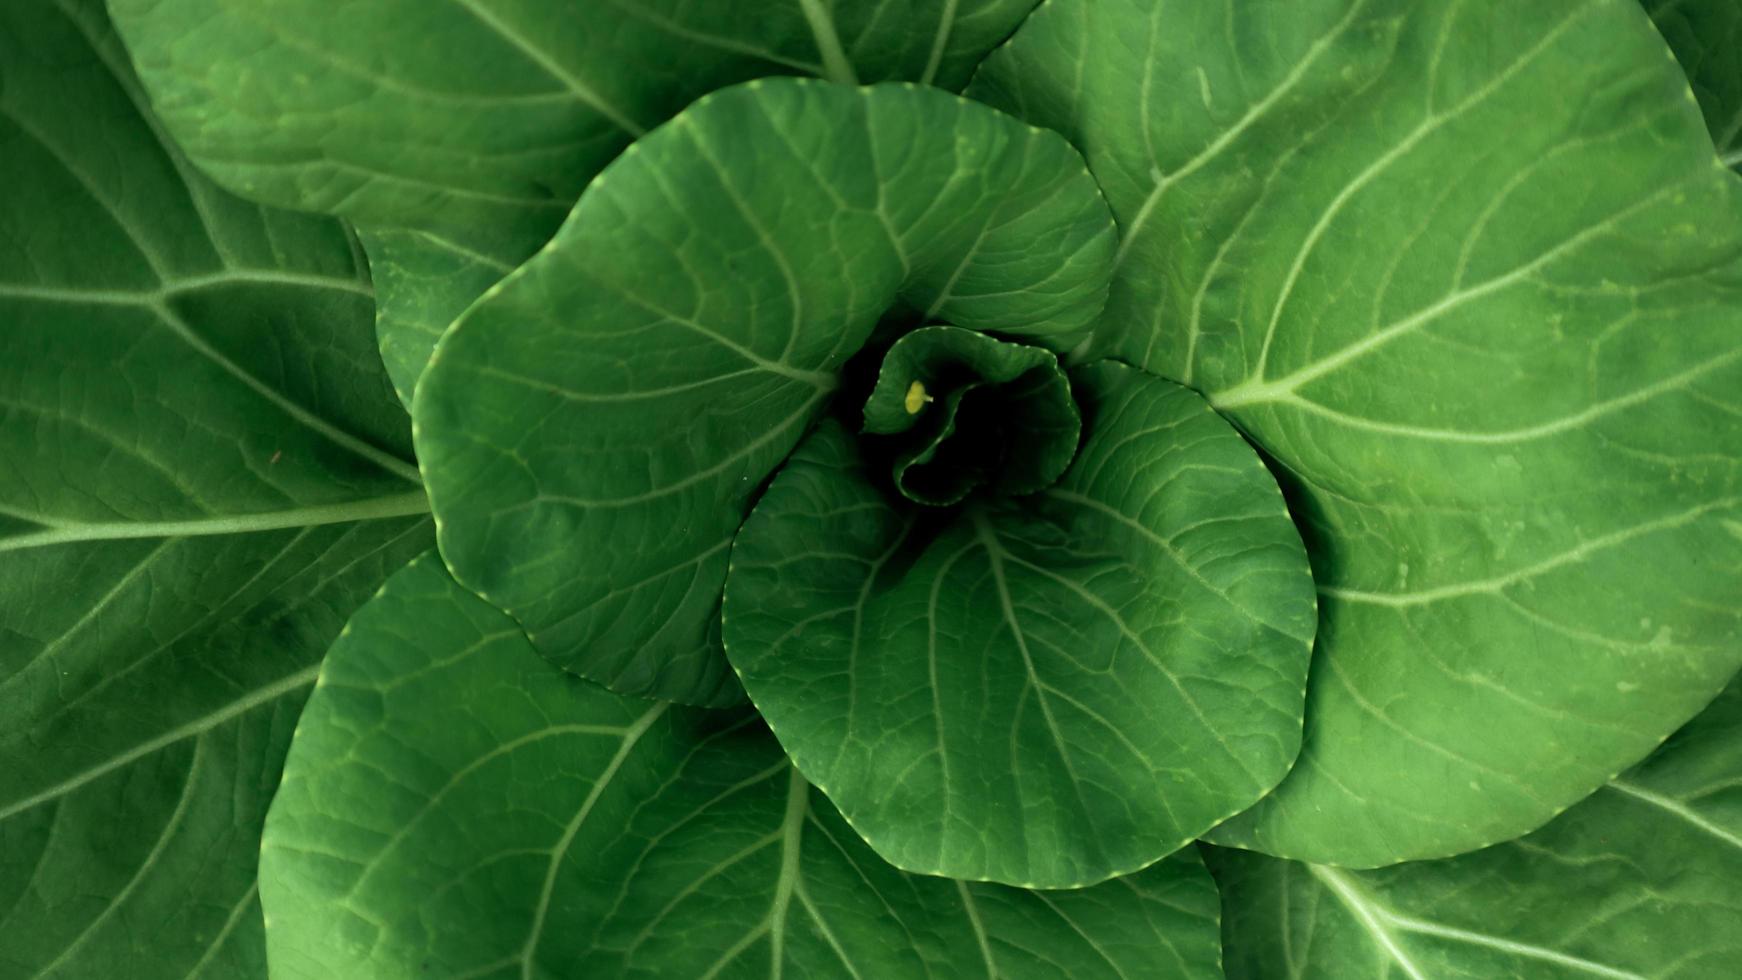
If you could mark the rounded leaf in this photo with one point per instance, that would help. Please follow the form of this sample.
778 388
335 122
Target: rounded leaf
458 133
592 430
536 825
1467 274
452 115
1643 879
1047 690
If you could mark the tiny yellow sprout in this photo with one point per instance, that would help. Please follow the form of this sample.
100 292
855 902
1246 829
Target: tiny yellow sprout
916 397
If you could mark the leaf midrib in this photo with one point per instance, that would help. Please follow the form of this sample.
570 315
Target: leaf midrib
105 49
1676 808
1497 584
164 836
582 91
558 852
254 699
408 504
1223 140
1379 920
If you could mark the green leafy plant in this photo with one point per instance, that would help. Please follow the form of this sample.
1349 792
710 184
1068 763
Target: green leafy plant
1104 488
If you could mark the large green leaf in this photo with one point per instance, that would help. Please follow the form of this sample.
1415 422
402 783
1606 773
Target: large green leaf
205 472
1706 36
1047 690
448 114
1468 274
479 121
534 825
593 429
1644 879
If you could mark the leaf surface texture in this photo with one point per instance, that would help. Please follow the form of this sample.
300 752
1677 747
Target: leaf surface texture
592 431
206 472
540 826
1466 274
1046 690
1642 881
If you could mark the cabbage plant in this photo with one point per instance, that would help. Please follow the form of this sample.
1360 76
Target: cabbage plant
904 488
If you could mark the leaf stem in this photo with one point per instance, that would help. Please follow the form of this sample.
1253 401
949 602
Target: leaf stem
836 67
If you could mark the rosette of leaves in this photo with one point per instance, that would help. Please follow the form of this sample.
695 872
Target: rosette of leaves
900 472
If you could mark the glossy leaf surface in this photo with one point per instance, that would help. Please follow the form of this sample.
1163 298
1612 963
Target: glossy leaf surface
478 122
1467 273
496 113
1045 690
593 430
540 826
205 473
1642 880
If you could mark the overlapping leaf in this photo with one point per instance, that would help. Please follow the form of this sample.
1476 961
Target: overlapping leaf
463 130
1644 879
205 472
1468 274
536 825
458 114
1464 272
423 280
1706 36
1044 690
592 431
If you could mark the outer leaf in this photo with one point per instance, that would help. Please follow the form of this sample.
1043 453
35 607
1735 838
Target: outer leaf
495 112
538 826
479 121
592 431
1706 36
1468 274
204 474
1644 879
1050 690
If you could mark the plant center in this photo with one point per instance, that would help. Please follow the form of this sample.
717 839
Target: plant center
961 411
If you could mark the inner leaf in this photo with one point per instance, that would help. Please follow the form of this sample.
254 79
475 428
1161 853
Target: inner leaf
1046 690
966 410
592 432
